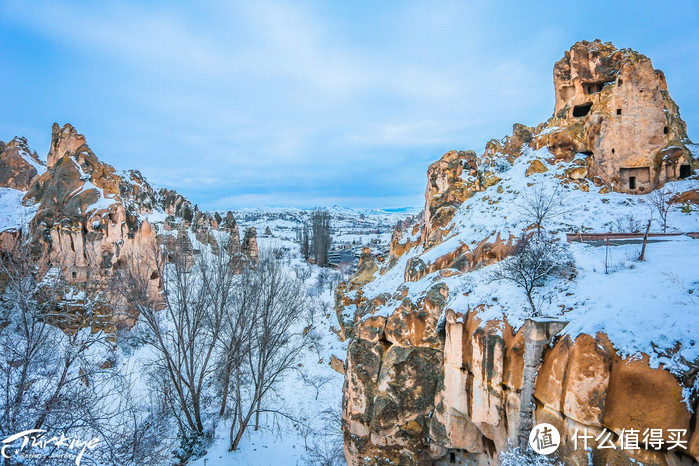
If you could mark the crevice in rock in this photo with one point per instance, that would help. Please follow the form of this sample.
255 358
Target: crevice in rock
385 344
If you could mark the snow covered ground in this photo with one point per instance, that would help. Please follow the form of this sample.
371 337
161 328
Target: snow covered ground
311 394
349 226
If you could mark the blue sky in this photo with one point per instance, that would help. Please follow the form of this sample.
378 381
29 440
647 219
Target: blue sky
265 103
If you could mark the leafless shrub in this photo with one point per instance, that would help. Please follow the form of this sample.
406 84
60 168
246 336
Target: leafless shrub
533 260
630 224
661 202
525 456
326 447
540 205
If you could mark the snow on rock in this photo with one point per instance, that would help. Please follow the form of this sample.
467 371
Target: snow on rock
14 214
604 321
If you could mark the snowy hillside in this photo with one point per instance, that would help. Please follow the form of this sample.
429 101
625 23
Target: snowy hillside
645 306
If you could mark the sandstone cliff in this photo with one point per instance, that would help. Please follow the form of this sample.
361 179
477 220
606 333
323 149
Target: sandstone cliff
84 218
446 365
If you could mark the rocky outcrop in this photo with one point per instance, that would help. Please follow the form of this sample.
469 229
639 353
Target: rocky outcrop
366 268
613 108
18 165
498 381
393 375
450 181
249 245
91 220
426 383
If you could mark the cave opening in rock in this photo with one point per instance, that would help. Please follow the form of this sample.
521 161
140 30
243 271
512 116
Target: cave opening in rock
618 111
385 344
581 110
635 179
592 88
685 171
664 129
489 445
452 457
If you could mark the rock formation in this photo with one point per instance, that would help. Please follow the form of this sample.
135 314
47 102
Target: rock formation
91 220
615 109
426 383
18 165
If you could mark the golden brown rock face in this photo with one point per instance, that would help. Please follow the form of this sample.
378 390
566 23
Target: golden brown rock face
417 392
90 220
249 245
365 270
17 164
450 181
393 376
614 107
578 384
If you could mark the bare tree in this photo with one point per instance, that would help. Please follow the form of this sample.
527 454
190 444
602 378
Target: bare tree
316 381
320 240
49 376
236 335
540 205
661 201
182 325
304 239
532 261
268 308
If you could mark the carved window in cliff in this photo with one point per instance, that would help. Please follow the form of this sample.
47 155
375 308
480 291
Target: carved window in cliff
452 457
618 111
581 110
635 179
685 171
665 129
592 88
